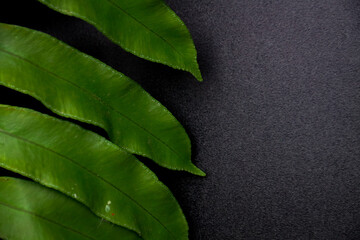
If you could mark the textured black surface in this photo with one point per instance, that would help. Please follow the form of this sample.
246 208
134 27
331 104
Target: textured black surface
275 124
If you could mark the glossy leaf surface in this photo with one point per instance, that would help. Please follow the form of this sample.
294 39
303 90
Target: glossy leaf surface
87 167
146 28
78 86
29 211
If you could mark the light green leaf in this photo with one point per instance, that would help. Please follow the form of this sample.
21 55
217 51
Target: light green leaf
29 211
87 167
78 86
146 28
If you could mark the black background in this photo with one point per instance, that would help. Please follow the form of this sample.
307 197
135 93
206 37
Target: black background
275 124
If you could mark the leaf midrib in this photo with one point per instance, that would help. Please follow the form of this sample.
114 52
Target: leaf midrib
46 219
90 172
145 26
94 96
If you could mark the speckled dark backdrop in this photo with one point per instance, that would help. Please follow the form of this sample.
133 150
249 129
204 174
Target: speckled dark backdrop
275 124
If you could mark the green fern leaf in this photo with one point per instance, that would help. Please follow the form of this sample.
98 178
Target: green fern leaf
147 28
87 167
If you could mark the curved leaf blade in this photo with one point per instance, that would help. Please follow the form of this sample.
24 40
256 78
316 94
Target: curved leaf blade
148 29
30 211
87 167
75 85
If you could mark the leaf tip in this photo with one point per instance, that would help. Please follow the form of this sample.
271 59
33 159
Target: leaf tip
197 75
195 71
195 170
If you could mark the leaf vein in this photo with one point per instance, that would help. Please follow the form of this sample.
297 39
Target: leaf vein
47 219
145 26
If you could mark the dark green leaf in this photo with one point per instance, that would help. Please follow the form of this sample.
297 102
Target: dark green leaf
29 211
146 28
83 165
78 86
